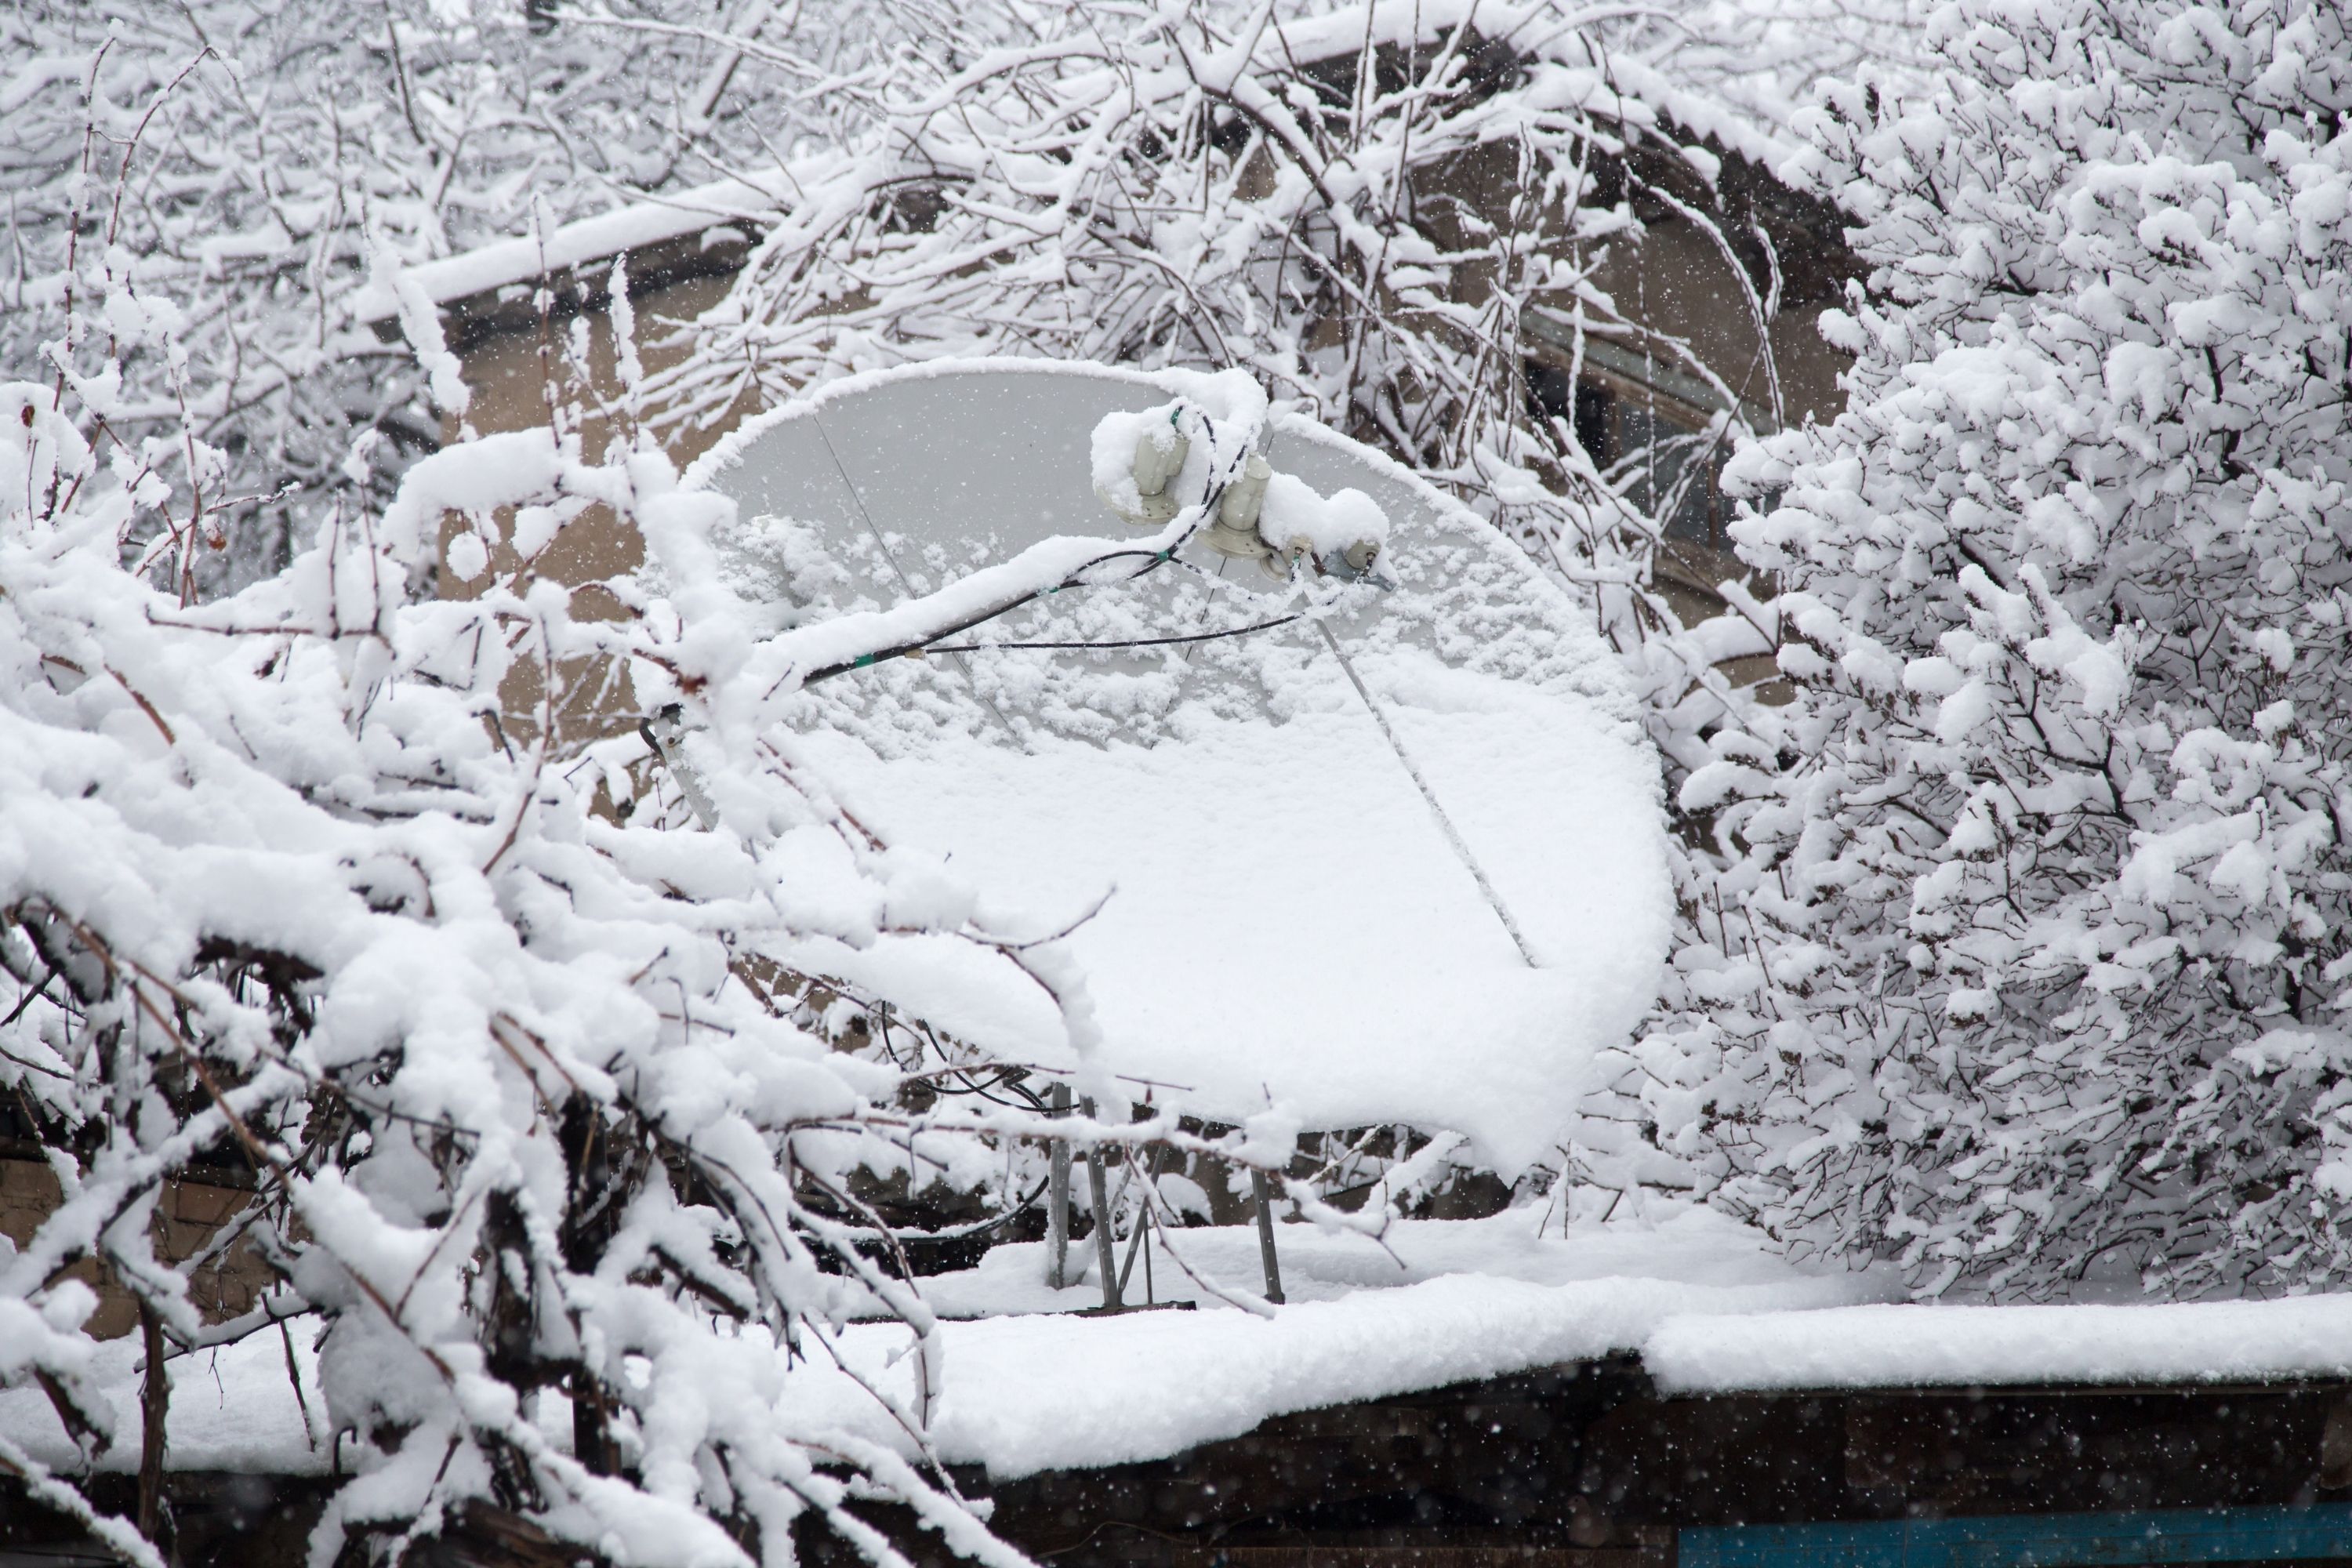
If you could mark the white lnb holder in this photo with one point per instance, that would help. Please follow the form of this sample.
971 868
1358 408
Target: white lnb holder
1234 532
1159 458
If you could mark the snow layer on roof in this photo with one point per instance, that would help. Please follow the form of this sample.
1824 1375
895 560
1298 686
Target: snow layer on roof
1889 1346
1735 72
652 220
1740 72
1727 69
1702 1301
1436 1302
1027 1393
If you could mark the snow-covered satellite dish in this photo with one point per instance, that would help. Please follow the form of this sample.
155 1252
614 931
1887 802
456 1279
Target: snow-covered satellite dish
1279 920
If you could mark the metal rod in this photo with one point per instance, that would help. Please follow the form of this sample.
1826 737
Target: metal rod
1136 1242
1058 1198
1461 848
1106 1257
1262 1190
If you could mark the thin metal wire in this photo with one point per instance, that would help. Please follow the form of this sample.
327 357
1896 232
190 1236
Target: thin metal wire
1461 849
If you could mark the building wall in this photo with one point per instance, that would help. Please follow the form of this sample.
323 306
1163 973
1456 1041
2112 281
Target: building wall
188 1217
516 375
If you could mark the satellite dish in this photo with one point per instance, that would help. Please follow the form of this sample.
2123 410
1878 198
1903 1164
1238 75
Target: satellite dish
1268 911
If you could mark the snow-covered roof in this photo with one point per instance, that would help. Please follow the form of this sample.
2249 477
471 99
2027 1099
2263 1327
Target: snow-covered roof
1701 1301
702 211
1029 1387
1731 73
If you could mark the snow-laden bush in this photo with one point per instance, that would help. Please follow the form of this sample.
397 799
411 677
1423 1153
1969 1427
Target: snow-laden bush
2029 963
532 1107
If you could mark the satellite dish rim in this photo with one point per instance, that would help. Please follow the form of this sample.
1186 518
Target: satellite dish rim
707 472
1283 421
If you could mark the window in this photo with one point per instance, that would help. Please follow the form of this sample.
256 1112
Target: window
1653 449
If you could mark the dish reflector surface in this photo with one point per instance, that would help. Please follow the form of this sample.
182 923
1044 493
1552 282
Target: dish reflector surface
1278 924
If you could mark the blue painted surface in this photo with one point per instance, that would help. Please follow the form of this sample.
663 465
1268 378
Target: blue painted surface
2034 1540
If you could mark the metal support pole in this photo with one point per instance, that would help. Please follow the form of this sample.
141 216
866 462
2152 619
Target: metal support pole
1106 1259
1444 822
1262 1190
1141 1240
1058 1198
